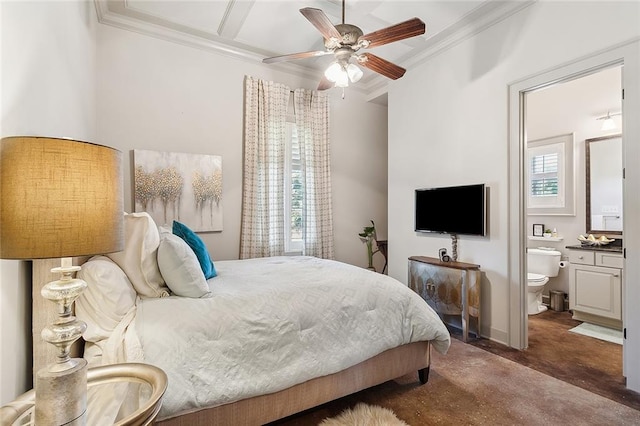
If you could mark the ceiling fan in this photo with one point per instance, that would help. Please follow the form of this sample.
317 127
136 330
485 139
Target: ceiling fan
345 40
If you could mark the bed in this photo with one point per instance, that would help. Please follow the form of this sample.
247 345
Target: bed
269 338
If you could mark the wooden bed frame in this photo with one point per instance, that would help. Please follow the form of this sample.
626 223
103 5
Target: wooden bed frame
394 363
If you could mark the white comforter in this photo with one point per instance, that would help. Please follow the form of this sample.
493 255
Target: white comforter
275 322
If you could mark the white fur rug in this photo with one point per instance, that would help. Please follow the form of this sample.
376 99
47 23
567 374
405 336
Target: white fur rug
364 415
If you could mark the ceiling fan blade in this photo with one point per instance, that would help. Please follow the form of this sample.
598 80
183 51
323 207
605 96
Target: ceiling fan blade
300 55
381 66
325 83
411 28
321 22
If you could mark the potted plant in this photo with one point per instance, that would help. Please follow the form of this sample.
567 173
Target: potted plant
367 236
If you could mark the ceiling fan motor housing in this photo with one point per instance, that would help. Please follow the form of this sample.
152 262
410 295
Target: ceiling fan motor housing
343 54
350 34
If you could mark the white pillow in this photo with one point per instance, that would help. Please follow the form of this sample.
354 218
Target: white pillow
107 299
139 258
180 268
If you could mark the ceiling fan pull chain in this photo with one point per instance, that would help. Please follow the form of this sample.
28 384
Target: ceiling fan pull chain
343 93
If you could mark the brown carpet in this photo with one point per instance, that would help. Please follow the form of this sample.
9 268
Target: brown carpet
472 386
583 361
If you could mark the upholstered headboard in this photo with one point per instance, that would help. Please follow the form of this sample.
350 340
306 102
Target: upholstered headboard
45 312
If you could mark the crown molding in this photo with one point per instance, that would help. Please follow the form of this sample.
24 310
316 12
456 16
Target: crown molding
131 20
115 19
471 24
116 14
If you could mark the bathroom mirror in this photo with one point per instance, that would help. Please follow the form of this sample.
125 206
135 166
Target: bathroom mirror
604 185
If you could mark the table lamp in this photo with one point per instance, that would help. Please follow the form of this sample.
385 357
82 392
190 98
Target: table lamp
60 198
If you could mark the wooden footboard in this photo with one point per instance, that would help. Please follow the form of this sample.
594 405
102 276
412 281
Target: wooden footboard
262 409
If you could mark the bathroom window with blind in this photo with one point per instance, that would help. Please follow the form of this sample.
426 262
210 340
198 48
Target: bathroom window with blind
544 175
550 176
294 193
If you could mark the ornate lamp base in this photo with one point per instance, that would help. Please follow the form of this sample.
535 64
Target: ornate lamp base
61 396
61 387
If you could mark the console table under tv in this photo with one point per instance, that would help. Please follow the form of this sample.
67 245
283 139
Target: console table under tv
450 288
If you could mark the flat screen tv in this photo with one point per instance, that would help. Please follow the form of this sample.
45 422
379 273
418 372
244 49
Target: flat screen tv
451 210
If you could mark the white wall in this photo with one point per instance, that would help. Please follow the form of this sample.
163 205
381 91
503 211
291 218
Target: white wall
359 174
448 125
157 95
572 107
48 69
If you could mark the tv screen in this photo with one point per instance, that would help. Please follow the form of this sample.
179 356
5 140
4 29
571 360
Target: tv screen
451 210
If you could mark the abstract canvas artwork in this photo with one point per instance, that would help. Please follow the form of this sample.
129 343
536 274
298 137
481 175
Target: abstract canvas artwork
176 186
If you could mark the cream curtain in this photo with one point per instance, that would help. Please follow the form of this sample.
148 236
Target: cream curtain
262 232
312 124
263 216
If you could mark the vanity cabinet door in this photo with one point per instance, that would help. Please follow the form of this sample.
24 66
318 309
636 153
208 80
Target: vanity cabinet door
596 290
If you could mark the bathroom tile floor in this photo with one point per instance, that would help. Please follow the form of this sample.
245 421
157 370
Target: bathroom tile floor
586 362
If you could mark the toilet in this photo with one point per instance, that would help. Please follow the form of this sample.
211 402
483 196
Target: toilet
541 264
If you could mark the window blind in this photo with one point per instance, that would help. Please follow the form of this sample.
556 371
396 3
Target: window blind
544 175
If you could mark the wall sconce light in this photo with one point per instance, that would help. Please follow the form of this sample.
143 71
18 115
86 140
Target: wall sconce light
608 123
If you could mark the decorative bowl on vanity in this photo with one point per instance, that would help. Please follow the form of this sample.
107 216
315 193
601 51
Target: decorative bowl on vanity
591 240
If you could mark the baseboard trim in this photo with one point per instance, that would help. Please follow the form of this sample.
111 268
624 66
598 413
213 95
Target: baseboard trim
499 336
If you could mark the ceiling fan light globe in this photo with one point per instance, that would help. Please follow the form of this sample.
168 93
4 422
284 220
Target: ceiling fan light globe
334 72
343 80
354 72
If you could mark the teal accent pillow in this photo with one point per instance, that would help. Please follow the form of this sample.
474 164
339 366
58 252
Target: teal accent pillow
198 247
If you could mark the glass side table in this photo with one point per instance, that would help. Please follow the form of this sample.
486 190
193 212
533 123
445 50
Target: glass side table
152 383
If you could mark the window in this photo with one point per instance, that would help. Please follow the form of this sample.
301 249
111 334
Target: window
544 175
550 176
294 193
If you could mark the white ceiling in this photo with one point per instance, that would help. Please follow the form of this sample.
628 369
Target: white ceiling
255 29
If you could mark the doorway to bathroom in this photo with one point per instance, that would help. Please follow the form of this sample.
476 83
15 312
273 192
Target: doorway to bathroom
559 194
560 122
628 55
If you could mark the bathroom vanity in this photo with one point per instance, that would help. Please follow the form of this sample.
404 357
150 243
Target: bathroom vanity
595 280
595 284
